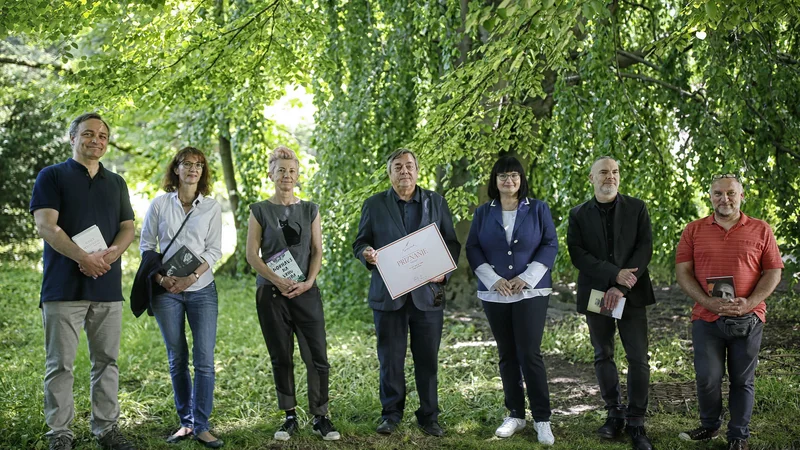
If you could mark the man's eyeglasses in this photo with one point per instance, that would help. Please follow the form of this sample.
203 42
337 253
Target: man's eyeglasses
505 176
725 175
188 165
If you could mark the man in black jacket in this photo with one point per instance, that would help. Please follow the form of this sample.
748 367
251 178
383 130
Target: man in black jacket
610 243
386 217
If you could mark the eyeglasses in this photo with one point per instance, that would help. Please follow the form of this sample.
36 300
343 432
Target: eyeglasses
504 176
725 175
188 165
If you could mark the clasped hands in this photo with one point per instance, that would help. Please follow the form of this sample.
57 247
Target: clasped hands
97 264
291 288
729 307
509 287
626 278
176 285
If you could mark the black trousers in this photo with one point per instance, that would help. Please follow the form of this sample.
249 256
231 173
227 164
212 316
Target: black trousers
633 334
281 319
518 328
712 346
392 329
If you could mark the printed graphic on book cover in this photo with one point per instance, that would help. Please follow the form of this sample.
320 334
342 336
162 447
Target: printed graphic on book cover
596 305
284 265
722 287
181 264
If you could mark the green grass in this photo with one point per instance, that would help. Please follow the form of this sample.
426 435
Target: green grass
246 414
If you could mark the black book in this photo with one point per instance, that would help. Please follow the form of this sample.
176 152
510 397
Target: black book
722 287
181 264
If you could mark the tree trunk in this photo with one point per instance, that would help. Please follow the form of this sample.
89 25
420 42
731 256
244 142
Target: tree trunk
228 172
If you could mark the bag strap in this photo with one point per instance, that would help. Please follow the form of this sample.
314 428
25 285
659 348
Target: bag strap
179 232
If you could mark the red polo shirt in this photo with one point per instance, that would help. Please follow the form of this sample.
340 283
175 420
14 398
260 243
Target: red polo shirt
744 252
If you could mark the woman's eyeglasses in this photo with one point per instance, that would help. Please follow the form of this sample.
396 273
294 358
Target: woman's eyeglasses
188 165
505 176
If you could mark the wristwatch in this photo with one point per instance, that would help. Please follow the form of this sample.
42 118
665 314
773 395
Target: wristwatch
196 276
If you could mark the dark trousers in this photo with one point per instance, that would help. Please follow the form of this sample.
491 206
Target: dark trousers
518 329
392 327
633 334
281 318
711 345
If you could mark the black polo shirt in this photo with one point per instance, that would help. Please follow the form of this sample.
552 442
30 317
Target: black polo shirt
410 211
81 201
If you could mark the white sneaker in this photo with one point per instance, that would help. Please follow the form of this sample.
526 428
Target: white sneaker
510 426
545 433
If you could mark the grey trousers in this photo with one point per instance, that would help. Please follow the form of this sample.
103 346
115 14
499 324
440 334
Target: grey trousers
102 322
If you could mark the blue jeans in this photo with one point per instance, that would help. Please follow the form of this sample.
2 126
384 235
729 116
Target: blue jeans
194 403
712 347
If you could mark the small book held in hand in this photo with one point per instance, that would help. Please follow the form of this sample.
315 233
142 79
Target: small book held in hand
284 265
181 264
90 240
596 305
721 287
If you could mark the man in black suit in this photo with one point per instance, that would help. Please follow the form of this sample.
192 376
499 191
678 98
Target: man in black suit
386 217
610 243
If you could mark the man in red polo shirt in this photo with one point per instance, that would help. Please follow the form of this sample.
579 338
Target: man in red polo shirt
727 244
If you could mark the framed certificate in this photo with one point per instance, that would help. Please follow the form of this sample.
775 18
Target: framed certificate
412 261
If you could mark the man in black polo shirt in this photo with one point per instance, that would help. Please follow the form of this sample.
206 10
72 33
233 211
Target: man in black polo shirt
81 289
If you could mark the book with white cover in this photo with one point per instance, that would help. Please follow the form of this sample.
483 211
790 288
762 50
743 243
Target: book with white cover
90 240
284 265
596 305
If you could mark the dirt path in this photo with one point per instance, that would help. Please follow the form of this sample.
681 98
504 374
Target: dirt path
573 386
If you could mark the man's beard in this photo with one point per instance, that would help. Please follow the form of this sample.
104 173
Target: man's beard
608 189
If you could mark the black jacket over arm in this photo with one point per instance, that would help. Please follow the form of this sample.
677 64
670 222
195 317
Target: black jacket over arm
633 247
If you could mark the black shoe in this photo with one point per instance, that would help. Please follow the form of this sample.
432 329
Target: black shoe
387 427
738 444
612 429
61 441
699 434
432 428
288 428
174 439
216 443
324 427
114 440
639 438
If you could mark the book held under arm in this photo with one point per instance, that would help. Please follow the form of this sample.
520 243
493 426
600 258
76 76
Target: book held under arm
597 305
284 265
181 264
90 240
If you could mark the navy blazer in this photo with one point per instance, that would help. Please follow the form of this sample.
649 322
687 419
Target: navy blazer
381 224
633 247
533 239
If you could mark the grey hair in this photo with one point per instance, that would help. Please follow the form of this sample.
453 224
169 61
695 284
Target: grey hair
73 127
398 153
281 152
601 159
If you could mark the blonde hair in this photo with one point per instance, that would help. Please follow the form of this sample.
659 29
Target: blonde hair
281 152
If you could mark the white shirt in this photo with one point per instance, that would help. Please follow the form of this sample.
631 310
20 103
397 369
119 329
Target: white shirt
202 233
532 275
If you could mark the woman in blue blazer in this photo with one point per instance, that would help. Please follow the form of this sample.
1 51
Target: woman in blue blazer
512 246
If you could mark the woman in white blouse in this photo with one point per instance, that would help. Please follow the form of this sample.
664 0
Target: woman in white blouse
512 246
193 297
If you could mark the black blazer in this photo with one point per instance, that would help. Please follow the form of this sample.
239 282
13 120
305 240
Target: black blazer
144 288
633 247
381 224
